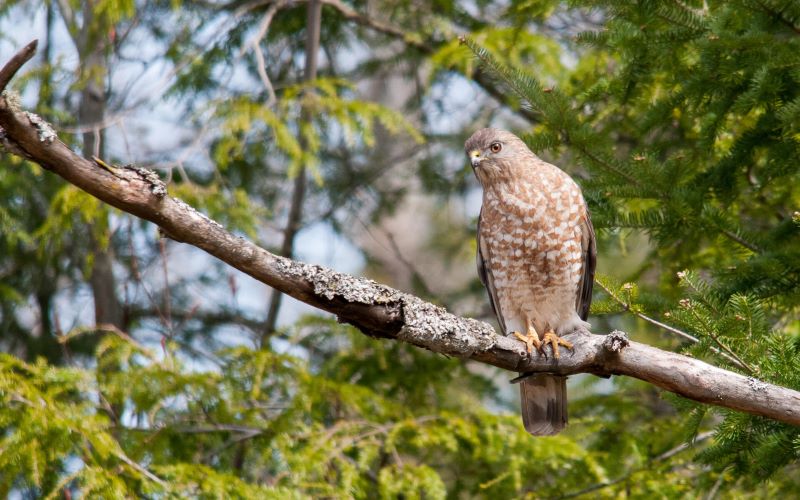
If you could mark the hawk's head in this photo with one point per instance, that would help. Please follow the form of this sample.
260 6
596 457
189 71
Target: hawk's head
496 154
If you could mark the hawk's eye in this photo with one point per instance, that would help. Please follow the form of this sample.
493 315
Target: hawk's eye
496 147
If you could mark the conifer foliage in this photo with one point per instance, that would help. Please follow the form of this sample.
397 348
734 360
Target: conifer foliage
684 117
680 119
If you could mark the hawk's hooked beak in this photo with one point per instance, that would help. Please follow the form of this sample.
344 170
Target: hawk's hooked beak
475 158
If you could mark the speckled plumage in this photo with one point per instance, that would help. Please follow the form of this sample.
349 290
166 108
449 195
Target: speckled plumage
536 251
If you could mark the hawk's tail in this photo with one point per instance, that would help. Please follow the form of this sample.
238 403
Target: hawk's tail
544 404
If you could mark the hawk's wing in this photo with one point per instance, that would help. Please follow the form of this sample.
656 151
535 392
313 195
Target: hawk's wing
589 248
484 258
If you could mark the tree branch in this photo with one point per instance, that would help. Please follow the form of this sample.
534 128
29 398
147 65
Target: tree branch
15 63
378 310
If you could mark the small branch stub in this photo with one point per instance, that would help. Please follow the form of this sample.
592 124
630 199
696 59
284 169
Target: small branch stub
157 186
616 341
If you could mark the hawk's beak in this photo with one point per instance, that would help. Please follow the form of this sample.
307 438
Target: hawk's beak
475 158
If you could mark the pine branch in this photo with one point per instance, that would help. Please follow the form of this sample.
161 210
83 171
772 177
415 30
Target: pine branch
680 333
380 311
739 361
655 460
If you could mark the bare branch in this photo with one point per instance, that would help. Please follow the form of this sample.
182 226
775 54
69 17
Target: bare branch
16 62
135 465
262 73
383 312
255 43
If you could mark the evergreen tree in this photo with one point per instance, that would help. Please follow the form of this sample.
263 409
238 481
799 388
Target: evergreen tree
680 120
683 117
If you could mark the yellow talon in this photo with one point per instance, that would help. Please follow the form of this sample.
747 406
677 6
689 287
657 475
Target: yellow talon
531 339
554 340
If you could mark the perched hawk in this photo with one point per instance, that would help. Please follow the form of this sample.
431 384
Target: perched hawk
536 257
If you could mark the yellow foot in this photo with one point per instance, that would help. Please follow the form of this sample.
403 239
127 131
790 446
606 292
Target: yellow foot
531 340
554 340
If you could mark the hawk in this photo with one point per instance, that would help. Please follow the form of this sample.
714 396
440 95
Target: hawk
536 257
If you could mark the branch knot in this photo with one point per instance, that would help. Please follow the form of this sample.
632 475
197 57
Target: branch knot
157 186
616 341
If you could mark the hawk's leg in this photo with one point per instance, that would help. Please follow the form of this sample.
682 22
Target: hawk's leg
531 338
554 340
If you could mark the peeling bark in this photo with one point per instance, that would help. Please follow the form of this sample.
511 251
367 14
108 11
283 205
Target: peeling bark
378 310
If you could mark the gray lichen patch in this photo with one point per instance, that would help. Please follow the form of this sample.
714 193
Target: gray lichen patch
13 99
46 132
352 289
431 326
331 284
756 385
425 324
157 186
616 341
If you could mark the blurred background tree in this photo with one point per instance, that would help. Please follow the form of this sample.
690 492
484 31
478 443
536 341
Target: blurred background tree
136 366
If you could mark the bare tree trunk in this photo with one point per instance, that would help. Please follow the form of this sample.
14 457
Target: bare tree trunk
46 288
45 91
294 219
92 46
91 42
